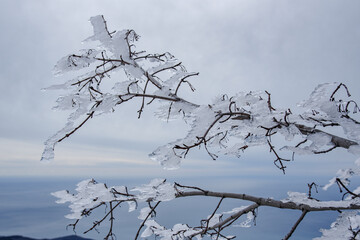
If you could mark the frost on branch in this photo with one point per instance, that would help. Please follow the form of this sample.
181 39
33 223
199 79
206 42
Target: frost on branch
87 95
226 126
346 226
303 199
73 62
92 195
231 125
156 190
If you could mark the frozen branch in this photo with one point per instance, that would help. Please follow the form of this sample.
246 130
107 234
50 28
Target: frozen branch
147 217
313 206
159 191
226 126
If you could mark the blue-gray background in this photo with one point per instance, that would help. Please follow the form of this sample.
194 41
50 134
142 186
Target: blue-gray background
285 47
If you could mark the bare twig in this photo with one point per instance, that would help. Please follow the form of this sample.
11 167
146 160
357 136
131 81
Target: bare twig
298 145
341 184
143 223
143 99
325 151
73 225
338 87
310 188
166 68
211 216
97 223
203 139
269 102
354 233
90 115
183 80
278 158
295 225
110 234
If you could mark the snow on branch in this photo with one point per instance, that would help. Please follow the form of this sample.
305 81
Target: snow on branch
87 97
92 195
226 126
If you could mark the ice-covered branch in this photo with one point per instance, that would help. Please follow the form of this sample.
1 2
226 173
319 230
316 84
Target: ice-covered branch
226 126
92 195
152 210
86 94
296 201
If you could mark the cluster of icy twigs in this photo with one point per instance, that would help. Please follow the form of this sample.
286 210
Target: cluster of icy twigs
228 125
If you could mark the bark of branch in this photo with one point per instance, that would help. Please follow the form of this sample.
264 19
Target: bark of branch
222 224
236 215
268 201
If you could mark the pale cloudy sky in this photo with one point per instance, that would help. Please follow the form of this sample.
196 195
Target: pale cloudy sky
285 47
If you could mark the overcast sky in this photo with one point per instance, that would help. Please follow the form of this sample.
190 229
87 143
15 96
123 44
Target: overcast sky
285 47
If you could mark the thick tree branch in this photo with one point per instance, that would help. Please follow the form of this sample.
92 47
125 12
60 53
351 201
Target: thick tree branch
269 201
